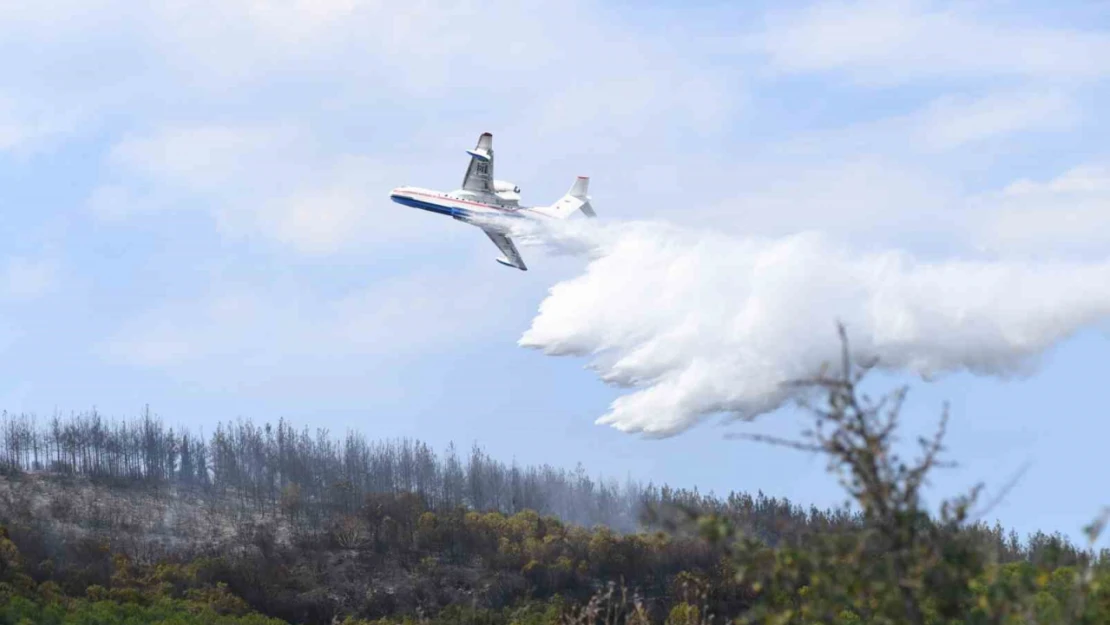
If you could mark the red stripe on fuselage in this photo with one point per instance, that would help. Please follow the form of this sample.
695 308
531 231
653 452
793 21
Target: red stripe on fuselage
451 199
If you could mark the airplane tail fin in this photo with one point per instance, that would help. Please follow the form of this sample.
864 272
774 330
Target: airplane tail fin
575 200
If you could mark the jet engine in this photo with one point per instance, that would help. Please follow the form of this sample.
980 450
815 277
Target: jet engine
501 186
508 192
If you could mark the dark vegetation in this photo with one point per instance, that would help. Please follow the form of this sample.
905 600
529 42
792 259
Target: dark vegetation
132 522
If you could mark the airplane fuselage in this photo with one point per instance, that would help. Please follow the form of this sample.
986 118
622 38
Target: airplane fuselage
466 206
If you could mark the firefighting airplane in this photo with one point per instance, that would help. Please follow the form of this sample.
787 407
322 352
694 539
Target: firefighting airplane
482 198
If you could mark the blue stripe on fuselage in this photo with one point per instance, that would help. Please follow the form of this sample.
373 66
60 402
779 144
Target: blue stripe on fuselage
428 206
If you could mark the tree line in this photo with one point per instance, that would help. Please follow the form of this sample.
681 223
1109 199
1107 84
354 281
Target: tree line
262 465
317 474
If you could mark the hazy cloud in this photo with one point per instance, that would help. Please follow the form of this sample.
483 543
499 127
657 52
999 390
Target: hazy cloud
27 279
891 42
277 330
951 122
1068 214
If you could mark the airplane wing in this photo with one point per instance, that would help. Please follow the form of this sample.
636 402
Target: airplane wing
511 257
479 174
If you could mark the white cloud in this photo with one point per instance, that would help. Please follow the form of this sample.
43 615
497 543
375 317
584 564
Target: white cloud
943 129
279 331
891 42
203 158
532 53
230 63
951 122
319 220
26 123
1069 214
859 197
899 180
1084 179
342 205
571 81
59 18
276 182
119 201
28 279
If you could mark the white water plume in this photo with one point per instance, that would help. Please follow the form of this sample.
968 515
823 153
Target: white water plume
696 323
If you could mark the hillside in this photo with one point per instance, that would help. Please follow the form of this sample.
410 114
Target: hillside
309 529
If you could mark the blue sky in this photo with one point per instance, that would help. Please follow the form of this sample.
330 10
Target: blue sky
195 207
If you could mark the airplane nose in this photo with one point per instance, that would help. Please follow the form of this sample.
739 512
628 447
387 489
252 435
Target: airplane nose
398 195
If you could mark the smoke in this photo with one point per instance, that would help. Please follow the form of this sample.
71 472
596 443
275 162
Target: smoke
697 323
